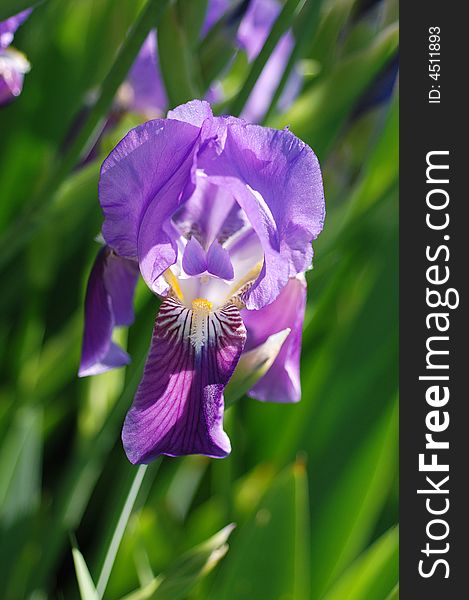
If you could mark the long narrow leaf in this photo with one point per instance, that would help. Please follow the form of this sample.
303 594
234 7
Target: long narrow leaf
85 581
119 530
373 575
290 10
308 22
21 231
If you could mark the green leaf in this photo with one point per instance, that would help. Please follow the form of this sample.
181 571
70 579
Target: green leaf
9 8
179 70
290 10
20 489
341 528
333 19
180 578
80 479
379 172
394 595
269 558
307 23
120 527
85 582
373 575
20 466
219 46
19 234
319 113
192 15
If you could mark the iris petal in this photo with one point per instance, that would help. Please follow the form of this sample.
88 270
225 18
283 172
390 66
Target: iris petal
194 260
8 27
218 262
108 303
281 383
178 408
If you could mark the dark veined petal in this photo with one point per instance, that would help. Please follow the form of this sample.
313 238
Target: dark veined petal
281 383
178 408
108 303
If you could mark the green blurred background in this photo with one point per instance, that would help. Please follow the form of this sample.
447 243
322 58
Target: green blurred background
311 487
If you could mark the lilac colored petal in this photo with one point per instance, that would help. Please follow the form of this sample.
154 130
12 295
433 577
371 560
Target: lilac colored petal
8 27
281 383
256 26
276 179
264 90
194 112
10 86
178 408
211 213
108 303
252 34
194 260
145 80
140 188
13 66
219 262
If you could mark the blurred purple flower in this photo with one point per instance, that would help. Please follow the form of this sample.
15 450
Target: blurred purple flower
144 90
13 64
219 216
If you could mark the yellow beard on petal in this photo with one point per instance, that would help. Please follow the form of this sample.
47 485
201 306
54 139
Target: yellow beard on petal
199 327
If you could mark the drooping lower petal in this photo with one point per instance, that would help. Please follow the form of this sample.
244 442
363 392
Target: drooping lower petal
281 383
178 408
108 303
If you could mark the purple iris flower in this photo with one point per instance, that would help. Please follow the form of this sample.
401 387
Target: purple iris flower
218 215
13 64
144 90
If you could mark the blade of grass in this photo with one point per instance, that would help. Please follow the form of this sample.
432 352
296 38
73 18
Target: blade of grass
305 32
373 574
180 578
85 581
319 113
79 481
13 7
269 556
120 528
394 595
290 11
340 531
178 67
